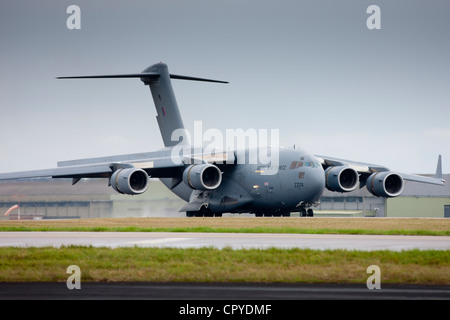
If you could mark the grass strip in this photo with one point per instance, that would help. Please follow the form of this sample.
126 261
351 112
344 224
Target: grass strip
233 230
387 226
223 265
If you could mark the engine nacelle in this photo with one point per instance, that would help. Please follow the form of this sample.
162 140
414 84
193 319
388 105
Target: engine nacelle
202 176
130 181
341 179
385 184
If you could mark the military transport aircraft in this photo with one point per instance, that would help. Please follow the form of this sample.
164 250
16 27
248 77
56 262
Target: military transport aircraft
219 182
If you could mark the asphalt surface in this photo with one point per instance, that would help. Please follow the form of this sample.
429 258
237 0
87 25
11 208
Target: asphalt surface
218 291
222 240
233 292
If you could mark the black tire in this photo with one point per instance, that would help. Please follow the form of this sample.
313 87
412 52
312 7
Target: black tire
190 214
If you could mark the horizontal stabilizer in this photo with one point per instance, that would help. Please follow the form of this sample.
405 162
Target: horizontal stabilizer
176 76
158 78
144 77
149 76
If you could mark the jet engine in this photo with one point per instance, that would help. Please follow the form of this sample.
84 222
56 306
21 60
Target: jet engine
385 184
341 179
129 181
202 176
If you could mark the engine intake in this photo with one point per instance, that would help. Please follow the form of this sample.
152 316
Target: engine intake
202 176
341 179
129 181
385 184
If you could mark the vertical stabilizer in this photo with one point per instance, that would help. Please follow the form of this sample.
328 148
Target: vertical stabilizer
439 168
168 114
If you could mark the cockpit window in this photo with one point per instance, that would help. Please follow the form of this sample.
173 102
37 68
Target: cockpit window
307 164
293 165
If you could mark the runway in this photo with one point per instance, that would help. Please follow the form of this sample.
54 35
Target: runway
218 291
224 240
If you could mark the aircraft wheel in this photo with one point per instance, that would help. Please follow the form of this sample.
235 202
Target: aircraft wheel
204 212
282 213
302 212
286 214
310 213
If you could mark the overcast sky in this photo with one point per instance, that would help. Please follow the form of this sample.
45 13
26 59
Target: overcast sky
311 69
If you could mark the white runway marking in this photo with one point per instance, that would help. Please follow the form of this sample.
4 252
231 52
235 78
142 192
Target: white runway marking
151 242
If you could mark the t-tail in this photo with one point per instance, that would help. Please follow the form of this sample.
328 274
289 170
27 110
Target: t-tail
157 77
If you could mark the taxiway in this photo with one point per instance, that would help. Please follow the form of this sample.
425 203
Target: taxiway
224 240
217 291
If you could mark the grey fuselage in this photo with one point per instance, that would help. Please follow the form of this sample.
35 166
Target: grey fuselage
297 181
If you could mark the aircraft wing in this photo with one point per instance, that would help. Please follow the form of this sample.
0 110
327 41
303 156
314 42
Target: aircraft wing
157 164
99 171
164 163
367 169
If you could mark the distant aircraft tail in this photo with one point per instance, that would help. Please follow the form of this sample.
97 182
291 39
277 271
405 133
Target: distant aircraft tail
438 174
158 78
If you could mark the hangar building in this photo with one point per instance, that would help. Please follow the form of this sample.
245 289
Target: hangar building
89 198
416 200
92 198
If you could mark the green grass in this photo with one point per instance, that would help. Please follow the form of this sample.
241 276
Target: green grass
230 230
386 226
226 265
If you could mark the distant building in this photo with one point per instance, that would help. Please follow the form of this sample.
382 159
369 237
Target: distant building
92 198
89 198
357 203
421 200
46 198
416 200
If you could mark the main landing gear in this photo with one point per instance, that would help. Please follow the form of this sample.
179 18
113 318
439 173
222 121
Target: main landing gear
306 212
203 212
